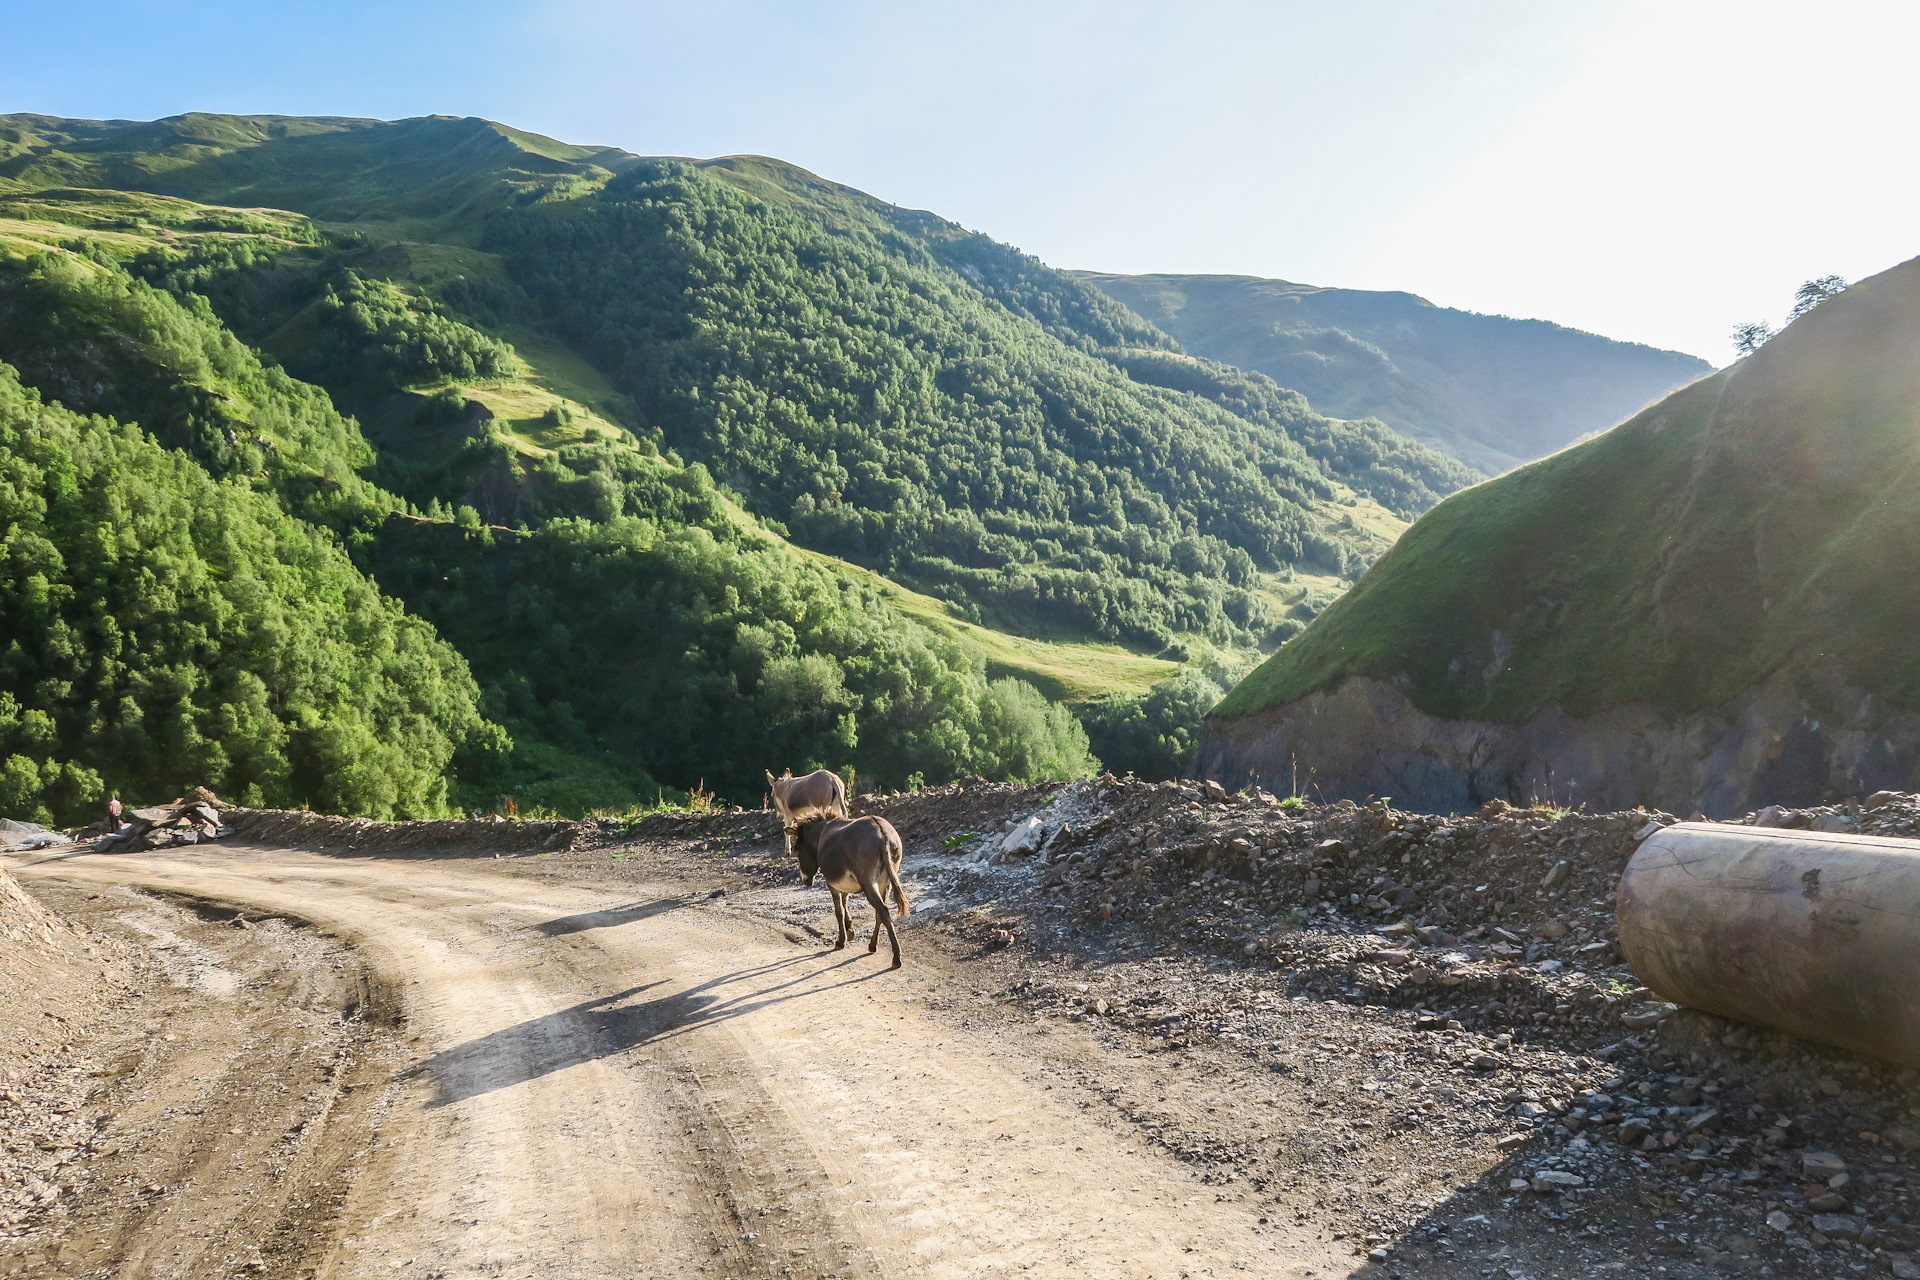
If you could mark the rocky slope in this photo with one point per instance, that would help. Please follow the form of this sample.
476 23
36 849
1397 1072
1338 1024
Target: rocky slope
1704 609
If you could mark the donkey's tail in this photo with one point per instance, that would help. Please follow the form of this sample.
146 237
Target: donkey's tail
899 891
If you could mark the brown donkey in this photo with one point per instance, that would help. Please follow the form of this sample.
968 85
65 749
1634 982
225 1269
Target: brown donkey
854 855
819 794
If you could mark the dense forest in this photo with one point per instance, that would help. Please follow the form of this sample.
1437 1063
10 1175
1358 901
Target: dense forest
161 625
855 388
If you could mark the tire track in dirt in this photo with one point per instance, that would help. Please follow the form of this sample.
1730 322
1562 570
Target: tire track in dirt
611 1085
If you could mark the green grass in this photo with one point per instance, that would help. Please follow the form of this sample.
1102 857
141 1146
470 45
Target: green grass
1066 671
127 223
1761 520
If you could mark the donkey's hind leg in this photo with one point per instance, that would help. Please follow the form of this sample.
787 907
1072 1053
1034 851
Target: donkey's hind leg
881 918
842 921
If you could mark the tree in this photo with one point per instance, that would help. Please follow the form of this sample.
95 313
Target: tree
1813 293
1749 338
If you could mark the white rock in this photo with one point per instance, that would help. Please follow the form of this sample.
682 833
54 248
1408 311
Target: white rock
1024 839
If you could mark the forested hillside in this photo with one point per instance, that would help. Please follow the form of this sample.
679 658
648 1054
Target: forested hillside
661 636
161 625
1492 391
888 386
564 403
887 410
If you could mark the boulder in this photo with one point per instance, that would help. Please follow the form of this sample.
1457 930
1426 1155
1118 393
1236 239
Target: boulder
1554 1179
1024 839
1831 1225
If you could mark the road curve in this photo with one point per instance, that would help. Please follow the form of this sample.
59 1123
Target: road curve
644 1084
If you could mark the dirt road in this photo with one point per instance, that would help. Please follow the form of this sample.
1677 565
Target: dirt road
659 1084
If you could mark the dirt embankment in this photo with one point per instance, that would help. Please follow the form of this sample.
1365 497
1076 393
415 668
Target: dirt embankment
1773 744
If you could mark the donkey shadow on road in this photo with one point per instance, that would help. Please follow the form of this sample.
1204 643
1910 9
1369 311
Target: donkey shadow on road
612 917
606 1026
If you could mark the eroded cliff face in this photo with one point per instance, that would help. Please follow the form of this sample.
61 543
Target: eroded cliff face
1780 742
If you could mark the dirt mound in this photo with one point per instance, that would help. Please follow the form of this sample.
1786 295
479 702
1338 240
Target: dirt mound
21 918
1447 997
58 982
481 835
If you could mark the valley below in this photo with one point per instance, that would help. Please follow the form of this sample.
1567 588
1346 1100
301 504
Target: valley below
1191 1035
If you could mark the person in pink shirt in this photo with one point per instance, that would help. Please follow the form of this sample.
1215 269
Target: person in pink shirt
113 808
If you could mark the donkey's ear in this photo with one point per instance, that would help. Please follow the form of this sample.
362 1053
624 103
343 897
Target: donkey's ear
769 774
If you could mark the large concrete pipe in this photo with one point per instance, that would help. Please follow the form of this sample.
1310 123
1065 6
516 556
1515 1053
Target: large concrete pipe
1813 933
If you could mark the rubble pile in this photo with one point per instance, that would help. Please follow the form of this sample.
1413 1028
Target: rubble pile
193 819
1884 813
1436 986
1369 903
493 834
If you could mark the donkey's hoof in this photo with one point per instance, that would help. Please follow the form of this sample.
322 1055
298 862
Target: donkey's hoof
895 964
839 946
871 950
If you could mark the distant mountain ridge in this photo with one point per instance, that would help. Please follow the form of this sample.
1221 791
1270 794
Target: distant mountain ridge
1492 391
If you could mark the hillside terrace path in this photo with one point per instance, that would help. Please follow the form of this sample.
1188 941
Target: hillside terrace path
604 1082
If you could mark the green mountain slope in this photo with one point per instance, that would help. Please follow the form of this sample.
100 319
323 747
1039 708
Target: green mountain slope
431 178
1753 531
535 360
171 624
891 388
1489 390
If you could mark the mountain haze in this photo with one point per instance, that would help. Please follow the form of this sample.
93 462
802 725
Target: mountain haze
1708 607
1491 391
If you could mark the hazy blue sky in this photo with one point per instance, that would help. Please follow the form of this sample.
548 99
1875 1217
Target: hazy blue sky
1656 172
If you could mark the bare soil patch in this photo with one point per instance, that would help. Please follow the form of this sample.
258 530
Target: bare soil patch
202 1098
